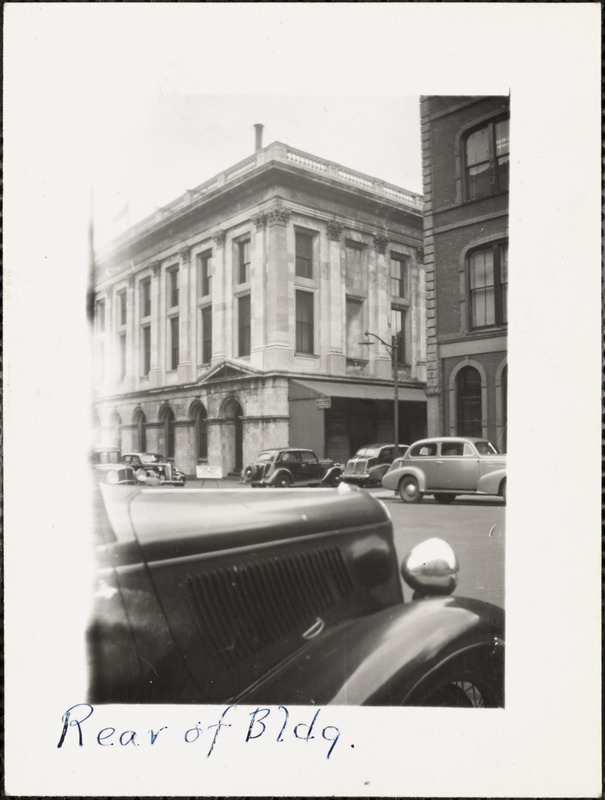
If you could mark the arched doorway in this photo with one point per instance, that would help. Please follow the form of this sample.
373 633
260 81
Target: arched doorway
139 434
166 443
116 429
233 413
468 402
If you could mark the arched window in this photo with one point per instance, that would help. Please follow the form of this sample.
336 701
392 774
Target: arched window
167 420
139 438
468 402
201 433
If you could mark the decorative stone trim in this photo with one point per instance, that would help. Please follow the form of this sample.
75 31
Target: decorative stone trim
335 230
155 267
278 215
219 238
131 281
381 241
185 253
260 220
419 255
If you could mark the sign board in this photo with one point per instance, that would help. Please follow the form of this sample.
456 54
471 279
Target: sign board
324 402
208 471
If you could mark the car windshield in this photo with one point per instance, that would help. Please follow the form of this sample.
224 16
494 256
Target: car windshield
152 458
266 455
486 449
367 452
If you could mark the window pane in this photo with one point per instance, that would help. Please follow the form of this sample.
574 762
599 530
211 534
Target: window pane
206 335
304 322
355 329
304 255
398 319
504 281
502 138
244 326
477 147
244 261
468 390
174 342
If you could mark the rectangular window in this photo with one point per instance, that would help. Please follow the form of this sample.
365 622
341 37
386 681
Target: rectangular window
122 307
488 285
356 267
145 298
399 275
398 324
121 356
206 334
304 322
243 325
487 154
173 287
145 349
304 254
204 281
243 260
174 342
355 328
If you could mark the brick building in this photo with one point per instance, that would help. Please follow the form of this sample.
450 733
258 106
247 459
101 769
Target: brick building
465 150
230 320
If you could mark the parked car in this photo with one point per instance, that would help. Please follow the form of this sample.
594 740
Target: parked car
370 463
108 467
446 467
150 466
291 466
237 596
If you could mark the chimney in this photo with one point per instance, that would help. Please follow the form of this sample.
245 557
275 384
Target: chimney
258 136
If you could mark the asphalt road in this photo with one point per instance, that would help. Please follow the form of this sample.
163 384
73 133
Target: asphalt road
474 527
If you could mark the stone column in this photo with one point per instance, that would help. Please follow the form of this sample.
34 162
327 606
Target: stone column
131 353
186 329
220 288
257 290
279 300
380 322
336 358
156 322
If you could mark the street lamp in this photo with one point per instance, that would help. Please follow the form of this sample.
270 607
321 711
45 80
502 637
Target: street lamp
392 350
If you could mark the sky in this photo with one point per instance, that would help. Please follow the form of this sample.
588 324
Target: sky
174 141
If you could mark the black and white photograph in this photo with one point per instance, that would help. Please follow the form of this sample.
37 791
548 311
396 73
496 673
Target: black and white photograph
266 545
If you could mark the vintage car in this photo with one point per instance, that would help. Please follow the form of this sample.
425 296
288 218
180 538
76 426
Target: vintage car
108 467
153 465
369 464
236 596
291 466
446 467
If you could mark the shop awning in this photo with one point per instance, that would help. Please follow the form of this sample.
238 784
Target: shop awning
301 390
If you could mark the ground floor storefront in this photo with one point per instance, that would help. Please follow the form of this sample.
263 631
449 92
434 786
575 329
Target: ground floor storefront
224 421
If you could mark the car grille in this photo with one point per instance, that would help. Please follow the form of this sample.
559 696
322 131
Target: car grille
242 609
356 467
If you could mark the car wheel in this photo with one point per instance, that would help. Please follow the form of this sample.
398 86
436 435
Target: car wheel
472 680
445 498
503 490
409 490
283 482
248 474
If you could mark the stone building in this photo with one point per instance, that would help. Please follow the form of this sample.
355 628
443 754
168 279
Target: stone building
231 319
465 149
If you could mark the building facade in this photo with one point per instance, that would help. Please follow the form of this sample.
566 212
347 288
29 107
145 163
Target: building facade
465 150
232 319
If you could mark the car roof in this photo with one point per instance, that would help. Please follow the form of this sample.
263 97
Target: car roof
450 439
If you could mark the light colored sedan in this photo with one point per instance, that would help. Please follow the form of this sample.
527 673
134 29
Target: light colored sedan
448 466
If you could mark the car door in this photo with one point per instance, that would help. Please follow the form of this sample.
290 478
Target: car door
310 467
291 461
458 466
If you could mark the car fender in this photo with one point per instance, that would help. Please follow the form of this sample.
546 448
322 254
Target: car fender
387 654
392 478
332 473
490 483
274 477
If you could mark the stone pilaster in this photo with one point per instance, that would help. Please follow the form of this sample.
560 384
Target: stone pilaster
157 321
221 292
336 358
279 302
257 288
185 370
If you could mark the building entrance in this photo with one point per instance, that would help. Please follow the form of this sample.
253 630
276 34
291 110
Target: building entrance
234 444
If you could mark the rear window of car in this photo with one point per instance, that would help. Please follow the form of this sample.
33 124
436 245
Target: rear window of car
424 449
266 455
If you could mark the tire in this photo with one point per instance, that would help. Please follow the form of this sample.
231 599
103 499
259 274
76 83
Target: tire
445 498
471 680
409 490
283 482
503 490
